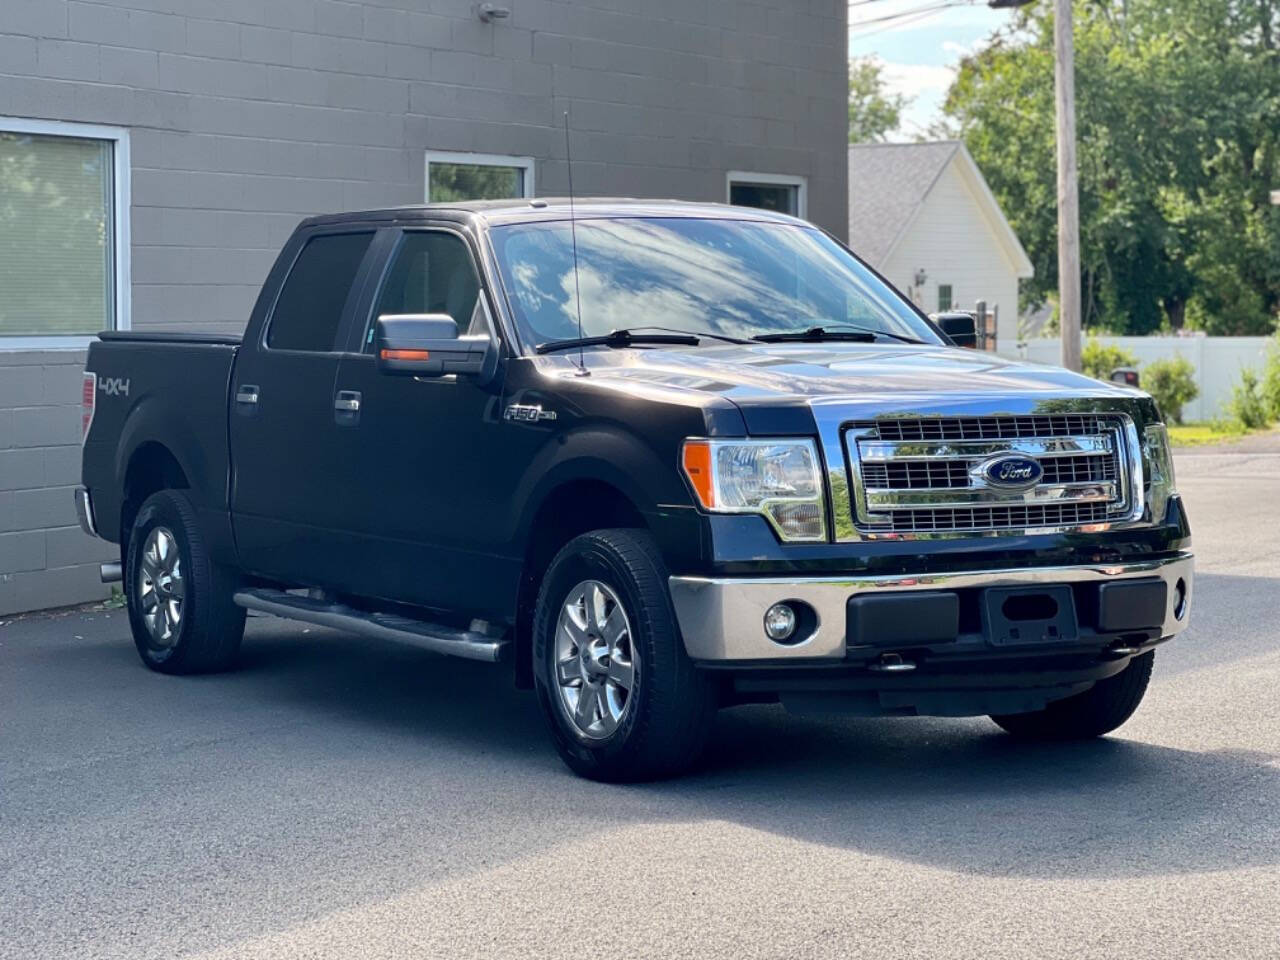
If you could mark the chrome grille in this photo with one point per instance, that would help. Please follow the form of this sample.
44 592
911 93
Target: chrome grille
997 518
948 474
993 428
913 475
924 475
1087 469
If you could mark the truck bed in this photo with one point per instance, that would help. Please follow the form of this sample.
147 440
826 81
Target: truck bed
170 387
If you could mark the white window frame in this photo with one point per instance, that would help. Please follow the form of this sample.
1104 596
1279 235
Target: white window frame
479 160
120 199
771 180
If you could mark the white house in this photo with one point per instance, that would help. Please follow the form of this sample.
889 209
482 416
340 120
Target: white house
922 214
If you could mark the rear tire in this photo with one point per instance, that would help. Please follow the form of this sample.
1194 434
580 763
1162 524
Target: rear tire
622 699
179 601
1099 710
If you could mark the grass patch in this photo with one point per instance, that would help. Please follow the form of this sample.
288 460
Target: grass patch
1210 431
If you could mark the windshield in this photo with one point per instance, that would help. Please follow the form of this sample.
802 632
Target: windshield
733 278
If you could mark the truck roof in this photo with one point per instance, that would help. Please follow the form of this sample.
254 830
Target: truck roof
532 209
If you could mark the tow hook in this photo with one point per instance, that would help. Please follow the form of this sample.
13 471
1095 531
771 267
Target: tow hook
1121 649
892 663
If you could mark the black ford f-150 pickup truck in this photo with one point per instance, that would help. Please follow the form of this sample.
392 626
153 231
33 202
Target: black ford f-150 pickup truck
660 457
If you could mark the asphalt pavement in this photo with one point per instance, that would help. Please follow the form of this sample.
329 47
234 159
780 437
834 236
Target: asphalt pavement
341 798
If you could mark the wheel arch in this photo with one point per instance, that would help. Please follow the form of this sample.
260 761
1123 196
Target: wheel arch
151 467
573 506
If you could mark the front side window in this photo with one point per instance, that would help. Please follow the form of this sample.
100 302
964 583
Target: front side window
736 278
432 272
59 232
309 309
456 177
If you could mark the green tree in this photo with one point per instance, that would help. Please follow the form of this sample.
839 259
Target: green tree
1178 115
874 113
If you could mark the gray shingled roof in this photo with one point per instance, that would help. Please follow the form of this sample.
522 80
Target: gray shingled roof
887 184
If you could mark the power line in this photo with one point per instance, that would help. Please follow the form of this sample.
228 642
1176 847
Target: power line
917 18
908 13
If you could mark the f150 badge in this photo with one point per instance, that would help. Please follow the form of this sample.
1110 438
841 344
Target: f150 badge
114 386
527 413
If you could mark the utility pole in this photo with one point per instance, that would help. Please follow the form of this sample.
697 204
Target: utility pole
1064 77
1068 188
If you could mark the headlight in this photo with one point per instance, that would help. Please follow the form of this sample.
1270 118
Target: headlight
778 479
1157 461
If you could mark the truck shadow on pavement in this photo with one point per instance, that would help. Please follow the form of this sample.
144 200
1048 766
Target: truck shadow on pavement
960 795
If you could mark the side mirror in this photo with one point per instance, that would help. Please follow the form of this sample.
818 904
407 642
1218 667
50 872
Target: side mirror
961 328
428 345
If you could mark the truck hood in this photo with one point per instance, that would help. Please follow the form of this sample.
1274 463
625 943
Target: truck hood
769 373
775 385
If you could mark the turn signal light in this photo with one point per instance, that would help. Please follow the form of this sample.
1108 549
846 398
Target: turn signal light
697 467
405 354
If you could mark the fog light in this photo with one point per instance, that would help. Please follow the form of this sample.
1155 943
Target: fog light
779 622
1180 599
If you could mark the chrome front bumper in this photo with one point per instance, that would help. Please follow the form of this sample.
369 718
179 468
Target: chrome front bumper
722 618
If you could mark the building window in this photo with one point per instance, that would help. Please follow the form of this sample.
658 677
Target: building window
768 191
944 297
64 235
454 177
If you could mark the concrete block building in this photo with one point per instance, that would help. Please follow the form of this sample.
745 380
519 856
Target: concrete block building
154 154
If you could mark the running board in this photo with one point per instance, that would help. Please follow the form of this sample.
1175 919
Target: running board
381 626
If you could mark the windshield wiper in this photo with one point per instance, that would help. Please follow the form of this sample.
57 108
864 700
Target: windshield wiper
838 332
701 333
617 338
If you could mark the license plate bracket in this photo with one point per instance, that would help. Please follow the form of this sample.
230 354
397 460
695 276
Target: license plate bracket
1026 616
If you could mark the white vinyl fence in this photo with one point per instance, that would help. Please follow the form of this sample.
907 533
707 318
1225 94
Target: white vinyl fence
1218 362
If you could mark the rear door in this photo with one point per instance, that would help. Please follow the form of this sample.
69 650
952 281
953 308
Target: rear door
424 459
288 497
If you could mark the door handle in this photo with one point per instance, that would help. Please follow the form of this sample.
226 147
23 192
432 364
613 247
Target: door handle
247 393
346 408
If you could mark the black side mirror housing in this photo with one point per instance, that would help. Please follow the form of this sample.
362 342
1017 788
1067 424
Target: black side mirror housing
960 328
428 345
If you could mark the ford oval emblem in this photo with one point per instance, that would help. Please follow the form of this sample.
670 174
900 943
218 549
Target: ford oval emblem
1012 472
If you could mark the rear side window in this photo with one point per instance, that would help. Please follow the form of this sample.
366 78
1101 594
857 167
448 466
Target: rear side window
310 306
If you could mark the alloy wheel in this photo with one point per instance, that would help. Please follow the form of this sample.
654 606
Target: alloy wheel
595 665
161 589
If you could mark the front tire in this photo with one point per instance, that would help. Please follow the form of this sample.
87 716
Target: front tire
180 602
1094 713
621 697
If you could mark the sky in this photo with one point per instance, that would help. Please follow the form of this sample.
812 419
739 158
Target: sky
919 53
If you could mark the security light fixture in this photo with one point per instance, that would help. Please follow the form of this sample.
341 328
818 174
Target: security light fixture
489 12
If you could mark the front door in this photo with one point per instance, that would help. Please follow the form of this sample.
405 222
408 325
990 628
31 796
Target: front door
424 458
288 499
